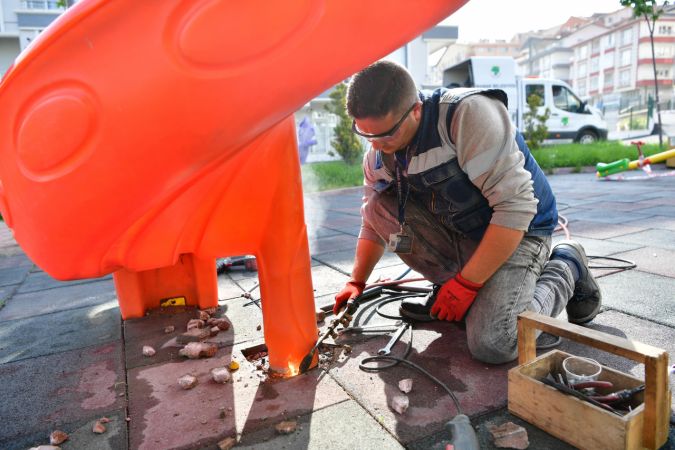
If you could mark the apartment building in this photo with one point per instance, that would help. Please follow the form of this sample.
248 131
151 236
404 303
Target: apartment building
21 21
606 58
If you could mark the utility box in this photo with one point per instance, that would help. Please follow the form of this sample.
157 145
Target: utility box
579 422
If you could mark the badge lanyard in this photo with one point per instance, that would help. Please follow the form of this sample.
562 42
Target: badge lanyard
401 242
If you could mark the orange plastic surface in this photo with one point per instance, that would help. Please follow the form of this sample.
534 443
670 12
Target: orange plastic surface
147 138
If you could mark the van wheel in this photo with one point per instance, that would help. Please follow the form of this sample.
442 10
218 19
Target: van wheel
587 137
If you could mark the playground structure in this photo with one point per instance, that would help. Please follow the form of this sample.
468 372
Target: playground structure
146 139
622 165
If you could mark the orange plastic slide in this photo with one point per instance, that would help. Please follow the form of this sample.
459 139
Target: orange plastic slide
147 138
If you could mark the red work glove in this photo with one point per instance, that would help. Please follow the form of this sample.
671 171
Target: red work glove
351 290
454 298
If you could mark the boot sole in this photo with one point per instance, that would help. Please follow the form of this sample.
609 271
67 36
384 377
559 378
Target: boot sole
415 317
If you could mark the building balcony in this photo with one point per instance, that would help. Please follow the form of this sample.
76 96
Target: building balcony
41 5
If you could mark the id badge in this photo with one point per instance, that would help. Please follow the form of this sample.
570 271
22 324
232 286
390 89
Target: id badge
401 242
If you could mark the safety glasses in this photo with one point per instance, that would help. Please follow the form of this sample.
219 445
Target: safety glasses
387 134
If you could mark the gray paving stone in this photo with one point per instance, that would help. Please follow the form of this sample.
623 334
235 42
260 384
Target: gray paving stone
318 431
641 294
600 247
13 275
538 438
658 261
80 435
59 332
664 210
652 238
326 280
610 216
45 393
599 230
38 281
32 304
332 244
20 260
655 223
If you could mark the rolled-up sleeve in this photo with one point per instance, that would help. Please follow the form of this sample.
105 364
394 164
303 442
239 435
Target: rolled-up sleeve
373 181
487 152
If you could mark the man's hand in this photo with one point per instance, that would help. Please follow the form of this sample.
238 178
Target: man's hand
351 290
454 298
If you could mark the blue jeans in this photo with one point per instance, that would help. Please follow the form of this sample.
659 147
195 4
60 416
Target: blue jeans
528 280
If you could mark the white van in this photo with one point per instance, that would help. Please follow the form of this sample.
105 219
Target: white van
571 119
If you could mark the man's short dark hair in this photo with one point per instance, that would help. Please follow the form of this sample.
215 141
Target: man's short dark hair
379 89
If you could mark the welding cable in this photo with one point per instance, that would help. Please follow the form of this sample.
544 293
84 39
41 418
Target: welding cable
627 264
395 361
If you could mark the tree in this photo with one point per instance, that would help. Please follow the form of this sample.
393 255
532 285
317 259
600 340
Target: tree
650 10
535 123
345 143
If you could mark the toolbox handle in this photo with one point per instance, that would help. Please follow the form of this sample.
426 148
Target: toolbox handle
656 396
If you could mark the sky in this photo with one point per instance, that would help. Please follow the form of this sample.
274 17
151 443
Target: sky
505 18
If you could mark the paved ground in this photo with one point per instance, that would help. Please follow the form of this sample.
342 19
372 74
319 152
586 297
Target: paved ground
66 358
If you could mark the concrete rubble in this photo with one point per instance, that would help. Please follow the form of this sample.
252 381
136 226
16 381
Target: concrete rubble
57 437
195 350
509 435
405 385
400 403
148 351
286 427
187 382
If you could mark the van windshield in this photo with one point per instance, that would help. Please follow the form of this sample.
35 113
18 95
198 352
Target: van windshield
564 99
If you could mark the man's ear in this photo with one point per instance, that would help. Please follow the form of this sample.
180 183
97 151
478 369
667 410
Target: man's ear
417 111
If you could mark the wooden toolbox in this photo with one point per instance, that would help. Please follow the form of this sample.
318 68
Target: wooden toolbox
576 421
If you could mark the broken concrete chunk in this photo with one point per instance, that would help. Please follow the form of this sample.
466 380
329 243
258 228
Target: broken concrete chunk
203 315
194 335
46 447
104 420
98 427
57 437
169 329
221 375
286 427
195 323
400 403
223 324
405 385
148 351
187 382
211 311
214 331
509 435
195 350
227 443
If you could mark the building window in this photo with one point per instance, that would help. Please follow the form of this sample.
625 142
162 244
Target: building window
624 78
608 60
663 73
663 51
609 79
609 40
583 52
595 46
665 29
626 36
582 88
593 83
582 69
595 64
625 57
41 4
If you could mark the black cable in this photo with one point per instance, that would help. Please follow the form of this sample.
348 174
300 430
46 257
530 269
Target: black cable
396 361
628 264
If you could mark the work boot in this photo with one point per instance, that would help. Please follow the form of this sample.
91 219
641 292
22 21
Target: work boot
419 310
587 299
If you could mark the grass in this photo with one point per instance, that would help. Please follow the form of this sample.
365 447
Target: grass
336 174
579 155
323 176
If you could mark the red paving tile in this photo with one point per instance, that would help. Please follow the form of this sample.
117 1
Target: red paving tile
165 416
441 349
